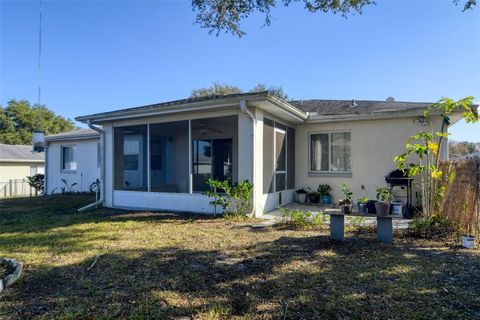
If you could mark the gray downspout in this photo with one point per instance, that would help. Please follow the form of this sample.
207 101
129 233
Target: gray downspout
45 186
102 170
244 109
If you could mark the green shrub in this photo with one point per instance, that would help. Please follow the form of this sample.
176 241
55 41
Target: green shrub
432 227
298 219
37 182
355 221
233 199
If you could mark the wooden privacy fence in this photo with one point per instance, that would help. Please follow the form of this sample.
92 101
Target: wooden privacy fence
16 188
461 203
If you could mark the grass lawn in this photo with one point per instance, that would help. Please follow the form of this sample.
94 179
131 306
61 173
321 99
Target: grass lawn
171 266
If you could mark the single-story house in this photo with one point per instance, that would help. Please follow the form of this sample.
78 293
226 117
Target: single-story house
73 158
17 162
160 156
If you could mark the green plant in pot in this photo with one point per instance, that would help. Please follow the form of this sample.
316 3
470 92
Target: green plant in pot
362 205
324 191
313 196
301 195
384 196
346 203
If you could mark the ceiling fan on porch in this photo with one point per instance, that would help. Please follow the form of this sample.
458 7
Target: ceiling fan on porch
204 128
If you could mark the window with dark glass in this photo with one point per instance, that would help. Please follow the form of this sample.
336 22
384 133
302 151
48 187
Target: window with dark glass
212 158
330 152
69 162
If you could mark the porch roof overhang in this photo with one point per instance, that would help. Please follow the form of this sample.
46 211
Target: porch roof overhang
263 100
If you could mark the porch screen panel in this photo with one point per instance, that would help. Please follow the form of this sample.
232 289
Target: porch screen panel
280 160
268 156
290 158
130 158
214 150
169 157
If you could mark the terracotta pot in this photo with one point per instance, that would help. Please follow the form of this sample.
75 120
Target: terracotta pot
382 208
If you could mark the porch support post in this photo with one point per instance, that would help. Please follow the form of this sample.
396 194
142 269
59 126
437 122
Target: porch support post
190 175
148 159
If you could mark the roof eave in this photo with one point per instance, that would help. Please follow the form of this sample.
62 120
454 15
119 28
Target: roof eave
369 116
198 106
68 138
195 106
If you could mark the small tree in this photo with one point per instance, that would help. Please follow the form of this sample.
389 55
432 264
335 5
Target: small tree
422 157
235 199
37 182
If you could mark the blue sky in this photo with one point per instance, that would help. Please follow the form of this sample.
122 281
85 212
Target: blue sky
106 55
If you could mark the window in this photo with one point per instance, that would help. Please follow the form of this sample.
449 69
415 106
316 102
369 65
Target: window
212 158
330 152
68 155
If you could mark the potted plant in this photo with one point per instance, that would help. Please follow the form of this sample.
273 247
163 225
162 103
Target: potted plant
382 206
313 196
362 205
324 191
301 195
346 203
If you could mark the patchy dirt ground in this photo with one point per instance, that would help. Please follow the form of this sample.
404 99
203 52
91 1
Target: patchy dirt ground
170 266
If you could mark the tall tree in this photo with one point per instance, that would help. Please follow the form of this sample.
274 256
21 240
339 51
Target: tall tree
19 119
216 89
278 91
459 149
226 15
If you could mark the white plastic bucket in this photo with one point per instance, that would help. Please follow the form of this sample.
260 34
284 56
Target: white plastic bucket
468 242
396 208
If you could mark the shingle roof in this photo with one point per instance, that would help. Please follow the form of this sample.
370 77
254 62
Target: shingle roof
75 134
19 153
344 107
156 106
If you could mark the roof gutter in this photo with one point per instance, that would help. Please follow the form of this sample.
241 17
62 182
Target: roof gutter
67 138
102 171
319 118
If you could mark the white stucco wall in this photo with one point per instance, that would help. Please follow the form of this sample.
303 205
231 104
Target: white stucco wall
374 145
87 169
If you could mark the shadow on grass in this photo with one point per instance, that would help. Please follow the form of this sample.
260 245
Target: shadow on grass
295 278
40 214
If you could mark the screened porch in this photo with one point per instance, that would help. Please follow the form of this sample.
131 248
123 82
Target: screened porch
175 157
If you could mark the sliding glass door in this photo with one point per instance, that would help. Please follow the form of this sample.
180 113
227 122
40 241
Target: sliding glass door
212 158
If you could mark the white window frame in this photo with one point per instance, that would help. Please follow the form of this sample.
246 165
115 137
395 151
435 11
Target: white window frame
329 171
62 169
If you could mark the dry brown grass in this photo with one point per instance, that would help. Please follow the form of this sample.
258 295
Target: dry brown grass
154 265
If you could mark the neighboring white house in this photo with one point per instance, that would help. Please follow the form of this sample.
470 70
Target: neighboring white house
72 157
160 156
17 162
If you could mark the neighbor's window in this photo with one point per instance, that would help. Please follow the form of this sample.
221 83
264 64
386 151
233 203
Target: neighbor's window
330 152
69 161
